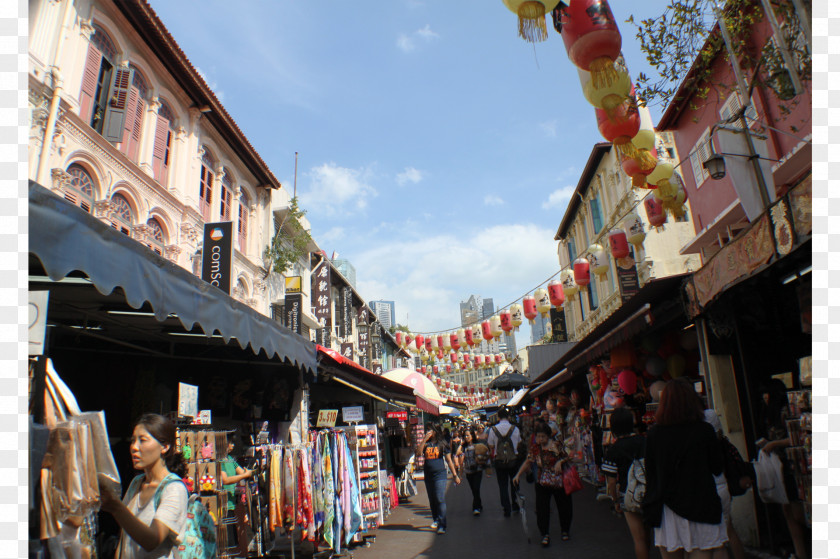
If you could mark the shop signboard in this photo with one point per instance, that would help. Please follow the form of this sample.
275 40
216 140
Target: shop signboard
293 284
322 335
321 298
353 414
347 351
377 368
204 417
37 321
292 310
364 339
187 400
628 278
345 325
558 326
216 254
401 415
327 418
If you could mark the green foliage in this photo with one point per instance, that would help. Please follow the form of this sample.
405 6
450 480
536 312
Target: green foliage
402 328
683 33
290 242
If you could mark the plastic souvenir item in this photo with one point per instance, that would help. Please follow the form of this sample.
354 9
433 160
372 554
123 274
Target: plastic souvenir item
186 452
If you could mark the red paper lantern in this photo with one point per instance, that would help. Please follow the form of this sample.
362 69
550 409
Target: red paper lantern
408 338
498 358
419 342
582 271
506 321
428 344
398 336
440 342
486 330
438 381
620 126
449 368
440 354
555 293
637 171
435 369
619 248
627 381
447 384
529 306
592 39
468 336
453 357
655 212
456 344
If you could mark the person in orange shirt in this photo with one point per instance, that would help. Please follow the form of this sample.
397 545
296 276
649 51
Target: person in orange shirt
437 455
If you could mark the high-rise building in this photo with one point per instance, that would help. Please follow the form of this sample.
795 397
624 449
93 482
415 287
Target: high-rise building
539 328
487 309
472 310
385 312
347 270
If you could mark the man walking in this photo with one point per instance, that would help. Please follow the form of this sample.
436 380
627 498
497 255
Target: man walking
503 441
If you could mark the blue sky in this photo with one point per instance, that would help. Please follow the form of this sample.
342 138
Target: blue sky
437 149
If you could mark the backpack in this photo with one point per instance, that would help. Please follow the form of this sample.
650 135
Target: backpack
734 467
200 531
482 454
505 453
634 493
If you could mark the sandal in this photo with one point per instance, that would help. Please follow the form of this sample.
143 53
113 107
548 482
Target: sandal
546 540
565 536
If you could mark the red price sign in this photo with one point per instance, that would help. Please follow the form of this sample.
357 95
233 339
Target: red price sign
327 418
401 415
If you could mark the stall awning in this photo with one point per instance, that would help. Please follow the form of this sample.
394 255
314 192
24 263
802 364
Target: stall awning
627 329
552 383
66 239
427 405
518 397
351 374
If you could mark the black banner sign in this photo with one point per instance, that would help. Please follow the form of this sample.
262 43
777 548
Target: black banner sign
345 325
377 368
321 298
347 350
558 326
216 254
294 302
364 339
628 278
323 335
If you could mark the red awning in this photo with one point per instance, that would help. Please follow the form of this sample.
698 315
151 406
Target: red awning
429 406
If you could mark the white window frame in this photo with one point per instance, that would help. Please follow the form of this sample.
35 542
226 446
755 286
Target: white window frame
732 104
699 153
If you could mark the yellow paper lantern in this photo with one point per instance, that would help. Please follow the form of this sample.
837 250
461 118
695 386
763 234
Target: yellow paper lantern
635 229
611 96
496 326
531 14
663 171
462 337
570 288
598 262
543 301
516 316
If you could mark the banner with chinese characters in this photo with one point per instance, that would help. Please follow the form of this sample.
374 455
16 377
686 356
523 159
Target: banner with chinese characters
321 298
345 324
322 335
558 325
347 351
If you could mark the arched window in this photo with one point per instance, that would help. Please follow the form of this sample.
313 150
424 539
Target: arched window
163 143
205 187
244 205
157 238
133 125
105 88
226 198
122 214
82 185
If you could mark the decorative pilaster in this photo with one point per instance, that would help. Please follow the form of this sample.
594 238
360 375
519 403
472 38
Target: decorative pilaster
60 180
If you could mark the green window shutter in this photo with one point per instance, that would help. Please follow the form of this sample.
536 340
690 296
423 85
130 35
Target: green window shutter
117 106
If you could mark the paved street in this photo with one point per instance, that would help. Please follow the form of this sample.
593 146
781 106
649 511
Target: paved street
596 533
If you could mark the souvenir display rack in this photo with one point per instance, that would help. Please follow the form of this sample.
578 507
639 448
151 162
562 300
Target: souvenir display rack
799 453
364 445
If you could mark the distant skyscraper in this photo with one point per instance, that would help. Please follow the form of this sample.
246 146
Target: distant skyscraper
347 270
385 313
487 309
539 328
472 310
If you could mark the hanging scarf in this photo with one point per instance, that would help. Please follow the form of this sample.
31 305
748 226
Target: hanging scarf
329 494
338 484
305 516
288 490
317 483
274 493
353 517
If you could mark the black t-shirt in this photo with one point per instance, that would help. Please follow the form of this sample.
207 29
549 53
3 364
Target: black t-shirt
433 453
620 456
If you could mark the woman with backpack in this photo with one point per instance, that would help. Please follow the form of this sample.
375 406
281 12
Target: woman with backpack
474 463
153 512
623 458
682 458
549 458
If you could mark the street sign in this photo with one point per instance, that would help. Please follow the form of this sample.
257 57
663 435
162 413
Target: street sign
401 415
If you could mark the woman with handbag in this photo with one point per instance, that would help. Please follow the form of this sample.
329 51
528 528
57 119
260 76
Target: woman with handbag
153 524
549 458
682 458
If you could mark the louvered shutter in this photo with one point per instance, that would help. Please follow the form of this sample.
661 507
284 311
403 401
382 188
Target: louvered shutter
134 139
117 105
243 226
89 79
159 151
125 138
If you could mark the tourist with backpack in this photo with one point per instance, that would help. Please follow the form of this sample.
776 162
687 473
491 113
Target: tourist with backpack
475 455
682 458
624 468
153 513
503 441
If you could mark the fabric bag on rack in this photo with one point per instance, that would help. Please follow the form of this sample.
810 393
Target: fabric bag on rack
571 479
769 479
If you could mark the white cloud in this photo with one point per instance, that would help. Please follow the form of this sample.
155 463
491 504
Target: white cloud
409 175
549 128
559 198
337 190
427 274
409 43
211 84
493 200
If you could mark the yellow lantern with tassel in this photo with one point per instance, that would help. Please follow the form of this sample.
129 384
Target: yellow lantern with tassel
611 96
531 14
543 301
516 316
635 231
496 326
598 262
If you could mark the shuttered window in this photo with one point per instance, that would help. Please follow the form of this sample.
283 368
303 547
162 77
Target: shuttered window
226 198
82 187
699 153
157 239
117 106
205 187
243 223
138 93
731 107
122 214
163 143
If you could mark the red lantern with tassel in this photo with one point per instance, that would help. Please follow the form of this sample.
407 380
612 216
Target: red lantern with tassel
555 293
453 357
428 344
582 271
506 321
529 305
456 343
435 369
592 39
655 212
620 126
486 330
419 342
639 171
468 336
619 248
398 336
449 368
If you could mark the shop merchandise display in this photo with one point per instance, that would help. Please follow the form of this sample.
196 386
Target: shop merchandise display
799 453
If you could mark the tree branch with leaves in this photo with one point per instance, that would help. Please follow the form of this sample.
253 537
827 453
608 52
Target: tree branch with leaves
290 242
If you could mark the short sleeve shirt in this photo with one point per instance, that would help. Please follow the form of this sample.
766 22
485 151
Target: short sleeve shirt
504 427
229 467
434 453
171 511
620 456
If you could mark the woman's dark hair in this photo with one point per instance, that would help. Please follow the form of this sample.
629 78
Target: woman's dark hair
622 421
542 427
471 431
163 432
678 403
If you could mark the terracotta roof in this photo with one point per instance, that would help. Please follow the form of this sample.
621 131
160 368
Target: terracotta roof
151 29
598 152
